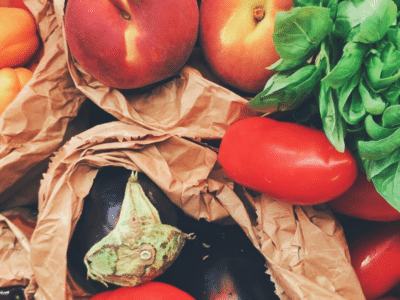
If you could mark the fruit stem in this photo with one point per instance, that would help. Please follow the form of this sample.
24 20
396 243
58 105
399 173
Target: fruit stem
125 15
258 13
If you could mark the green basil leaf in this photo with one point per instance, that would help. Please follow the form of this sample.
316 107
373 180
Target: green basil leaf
332 4
332 121
353 135
393 35
374 68
387 178
391 59
379 149
347 17
392 93
288 65
373 28
373 102
376 167
348 65
391 116
376 131
301 30
364 21
397 2
300 3
382 67
286 91
350 105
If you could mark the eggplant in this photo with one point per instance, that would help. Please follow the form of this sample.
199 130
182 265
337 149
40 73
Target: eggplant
233 278
12 293
100 214
140 247
219 253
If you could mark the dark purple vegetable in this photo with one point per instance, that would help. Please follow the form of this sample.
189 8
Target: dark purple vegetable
100 215
12 293
234 278
218 247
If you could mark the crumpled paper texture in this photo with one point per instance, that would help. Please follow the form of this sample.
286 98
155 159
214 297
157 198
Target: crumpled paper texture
16 228
158 132
34 124
305 249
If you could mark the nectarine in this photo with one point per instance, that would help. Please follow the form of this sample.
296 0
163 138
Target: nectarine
131 43
236 38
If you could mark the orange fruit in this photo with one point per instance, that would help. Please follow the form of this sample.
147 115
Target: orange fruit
18 37
11 82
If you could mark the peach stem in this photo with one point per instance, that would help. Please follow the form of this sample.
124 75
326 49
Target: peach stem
258 13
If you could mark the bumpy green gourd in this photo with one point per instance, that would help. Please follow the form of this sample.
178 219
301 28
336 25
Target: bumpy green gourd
139 248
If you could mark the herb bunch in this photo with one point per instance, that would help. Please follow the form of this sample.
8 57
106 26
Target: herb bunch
347 55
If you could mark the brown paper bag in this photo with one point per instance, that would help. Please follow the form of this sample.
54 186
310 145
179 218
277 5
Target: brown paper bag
34 124
305 250
16 228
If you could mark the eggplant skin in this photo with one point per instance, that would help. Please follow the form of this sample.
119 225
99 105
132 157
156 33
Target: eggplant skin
220 254
234 278
100 214
12 293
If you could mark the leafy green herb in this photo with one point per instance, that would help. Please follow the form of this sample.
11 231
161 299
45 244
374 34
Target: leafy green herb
373 102
347 54
364 21
381 67
300 31
350 105
379 149
348 65
385 176
376 131
391 116
382 14
286 65
331 4
286 90
332 121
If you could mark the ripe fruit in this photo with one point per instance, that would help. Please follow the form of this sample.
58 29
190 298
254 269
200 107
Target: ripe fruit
286 161
375 257
18 37
149 291
11 83
362 201
236 37
134 43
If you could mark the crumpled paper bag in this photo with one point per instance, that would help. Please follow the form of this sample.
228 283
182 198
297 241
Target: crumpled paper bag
305 249
34 124
16 228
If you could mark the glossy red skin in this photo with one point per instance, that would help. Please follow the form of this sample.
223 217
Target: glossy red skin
362 201
375 257
286 161
148 291
166 32
242 63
